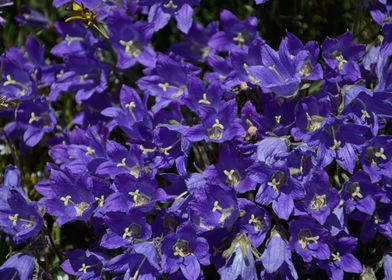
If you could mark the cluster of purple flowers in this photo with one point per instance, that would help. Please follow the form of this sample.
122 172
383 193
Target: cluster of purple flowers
223 155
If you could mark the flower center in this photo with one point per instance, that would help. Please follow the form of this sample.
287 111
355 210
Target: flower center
373 156
354 189
34 118
305 238
225 213
134 230
204 100
341 61
90 151
79 207
170 5
181 248
314 122
101 200
131 105
11 82
336 145
233 177
131 48
239 39
15 219
279 179
139 198
216 131
306 69
318 202
258 223
134 171
335 256
84 268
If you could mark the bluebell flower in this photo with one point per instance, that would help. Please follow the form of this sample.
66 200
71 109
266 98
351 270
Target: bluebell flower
18 266
87 265
309 239
186 251
67 196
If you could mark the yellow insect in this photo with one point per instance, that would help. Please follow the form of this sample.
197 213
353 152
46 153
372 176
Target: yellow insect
87 16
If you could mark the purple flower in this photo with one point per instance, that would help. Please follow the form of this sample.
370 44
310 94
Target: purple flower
376 158
32 18
19 217
162 10
140 194
338 140
342 260
255 221
82 72
186 251
240 261
379 222
214 206
168 81
130 40
359 193
119 160
86 265
133 116
306 56
36 119
320 198
195 48
231 170
17 79
278 73
276 258
380 11
18 266
309 239
124 229
236 33
80 148
67 196
276 187
141 261
340 55
217 126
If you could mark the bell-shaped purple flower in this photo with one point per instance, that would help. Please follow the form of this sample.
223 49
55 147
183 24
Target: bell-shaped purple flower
130 40
87 265
36 119
19 266
309 239
255 221
342 260
217 126
214 206
186 251
276 258
320 198
276 187
376 158
67 196
124 229
236 33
